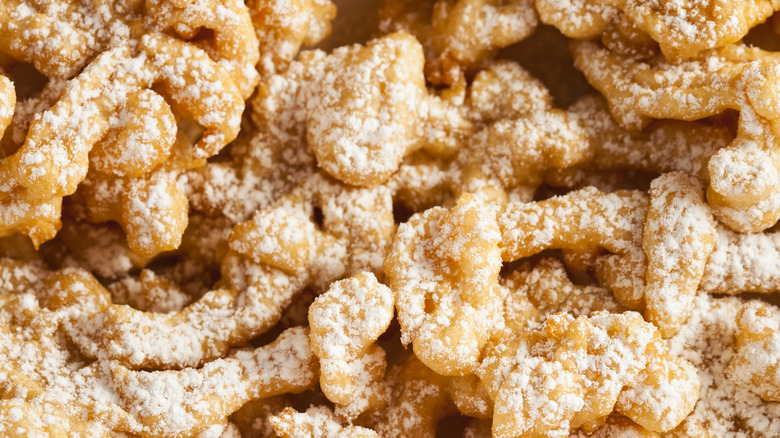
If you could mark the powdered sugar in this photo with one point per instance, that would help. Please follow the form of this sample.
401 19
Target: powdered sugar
725 407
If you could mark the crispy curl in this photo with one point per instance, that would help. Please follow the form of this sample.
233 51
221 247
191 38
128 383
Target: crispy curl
270 260
110 106
59 41
345 323
152 210
283 26
583 221
538 290
743 176
657 248
418 402
678 237
316 422
358 107
757 361
515 138
39 369
743 263
443 269
571 372
681 29
459 34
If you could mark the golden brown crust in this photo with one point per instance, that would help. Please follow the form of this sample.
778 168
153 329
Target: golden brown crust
221 273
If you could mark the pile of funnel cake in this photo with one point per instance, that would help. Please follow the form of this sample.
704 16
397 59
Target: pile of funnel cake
208 231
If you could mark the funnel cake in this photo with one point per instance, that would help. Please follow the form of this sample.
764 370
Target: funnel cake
206 232
206 82
458 34
682 30
742 175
